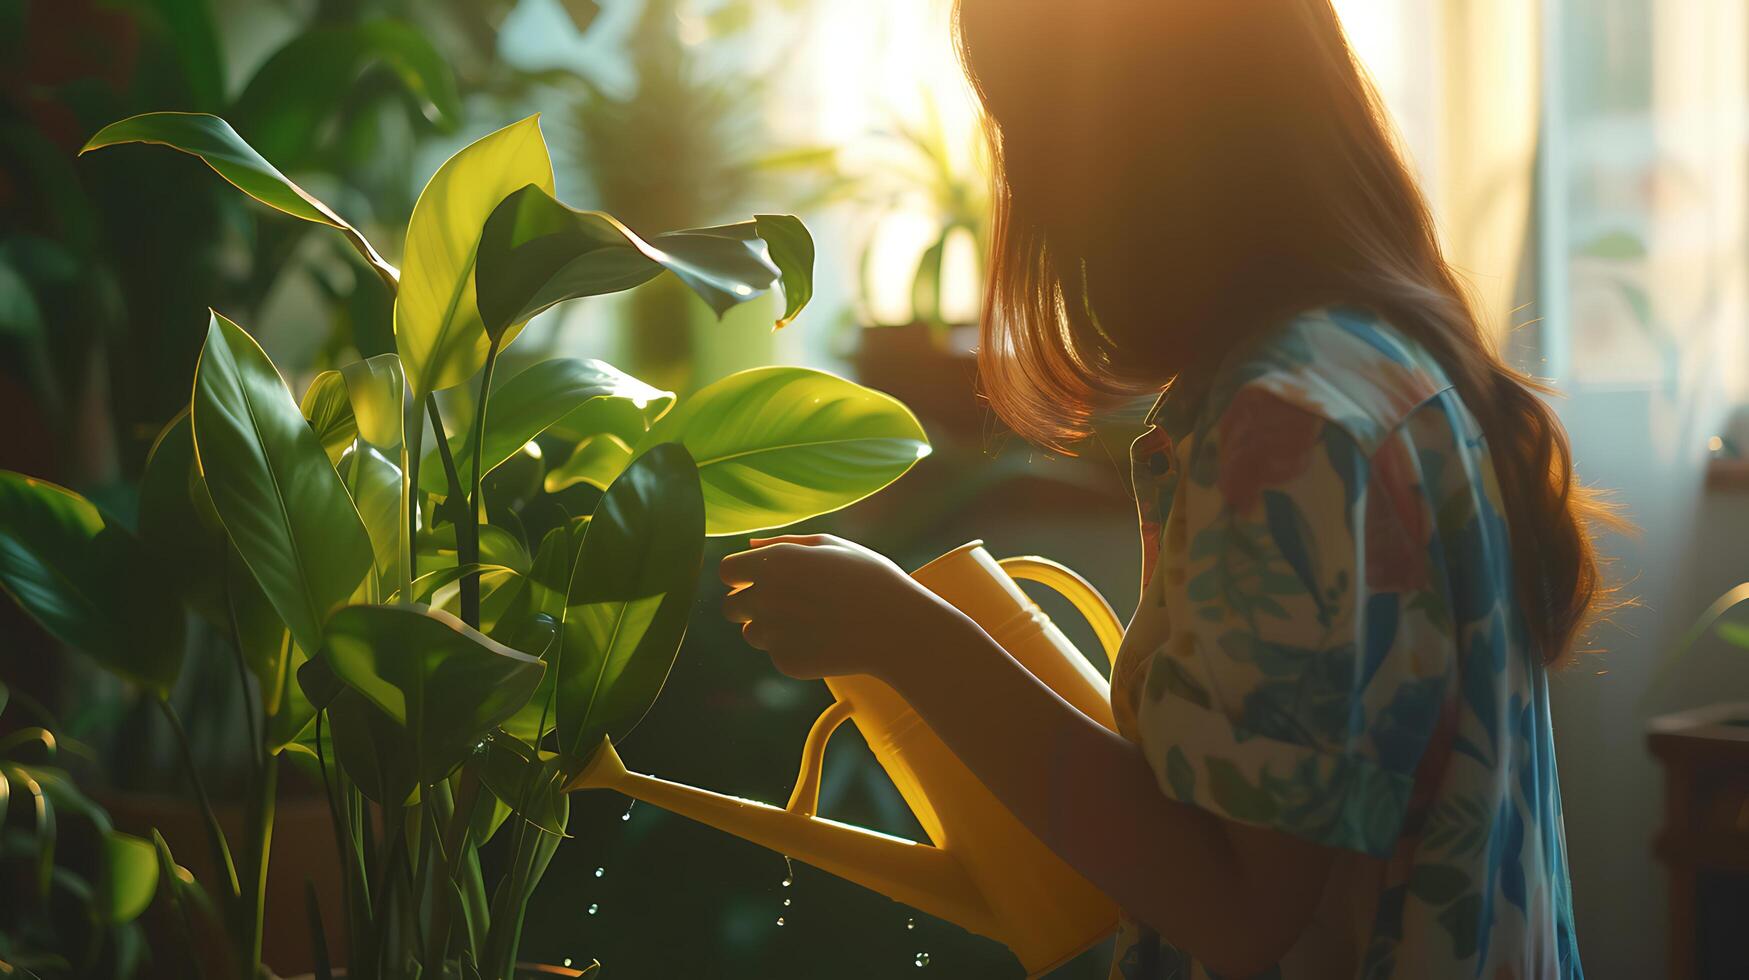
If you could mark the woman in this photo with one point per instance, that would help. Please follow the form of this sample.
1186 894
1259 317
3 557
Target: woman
1364 548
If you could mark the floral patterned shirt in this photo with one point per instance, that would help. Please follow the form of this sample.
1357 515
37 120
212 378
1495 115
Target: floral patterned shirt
1328 645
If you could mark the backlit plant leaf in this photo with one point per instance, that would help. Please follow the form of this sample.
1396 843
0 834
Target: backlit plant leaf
328 408
214 141
627 603
438 330
528 404
536 252
283 505
778 445
597 461
443 684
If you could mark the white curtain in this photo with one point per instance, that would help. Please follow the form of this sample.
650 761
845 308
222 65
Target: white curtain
1461 79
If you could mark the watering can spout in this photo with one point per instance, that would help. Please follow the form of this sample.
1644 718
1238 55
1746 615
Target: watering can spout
981 869
918 875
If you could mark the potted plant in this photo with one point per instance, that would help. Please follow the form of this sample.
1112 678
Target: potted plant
443 636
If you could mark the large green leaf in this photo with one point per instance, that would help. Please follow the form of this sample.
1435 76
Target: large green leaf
272 485
626 607
438 330
444 684
535 252
309 80
782 444
88 581
526 405
215 142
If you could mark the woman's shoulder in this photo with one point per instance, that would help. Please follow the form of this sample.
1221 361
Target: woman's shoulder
1347 366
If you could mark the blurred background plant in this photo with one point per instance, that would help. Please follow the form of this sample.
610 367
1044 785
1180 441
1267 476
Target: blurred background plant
75 885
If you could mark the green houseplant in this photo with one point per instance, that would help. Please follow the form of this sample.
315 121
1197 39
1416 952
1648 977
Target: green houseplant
87 883
444 634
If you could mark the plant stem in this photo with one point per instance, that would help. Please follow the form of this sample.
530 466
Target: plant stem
215 834
404 554
470 591
261 811
467 533
412 447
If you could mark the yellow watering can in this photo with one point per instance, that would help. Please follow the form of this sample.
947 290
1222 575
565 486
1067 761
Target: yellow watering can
986 872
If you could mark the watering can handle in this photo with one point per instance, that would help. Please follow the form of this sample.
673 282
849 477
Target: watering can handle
1080 593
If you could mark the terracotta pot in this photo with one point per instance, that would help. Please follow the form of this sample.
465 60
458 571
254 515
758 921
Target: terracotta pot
937 380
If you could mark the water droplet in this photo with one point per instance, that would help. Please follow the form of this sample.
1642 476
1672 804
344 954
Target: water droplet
786 901
780 920
628 814
789 876
922 959
594 909
788 882
600 871
567 961
910 923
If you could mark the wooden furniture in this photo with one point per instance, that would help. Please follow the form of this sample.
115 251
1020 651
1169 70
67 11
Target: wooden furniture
1705 838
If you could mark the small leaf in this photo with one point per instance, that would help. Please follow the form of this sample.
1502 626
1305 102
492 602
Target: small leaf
598 461
535 253
130 876
443 684
376 389
530 783
535 624
283 505
528 404
328 408
438 330
779 445
425 585
215 142
627 604
792 250
88 581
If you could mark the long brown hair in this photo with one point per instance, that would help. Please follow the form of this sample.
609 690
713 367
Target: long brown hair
1173 174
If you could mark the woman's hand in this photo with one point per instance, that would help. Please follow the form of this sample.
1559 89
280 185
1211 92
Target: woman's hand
824 607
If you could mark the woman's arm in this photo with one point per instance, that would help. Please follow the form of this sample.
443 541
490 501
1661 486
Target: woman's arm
1234 897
